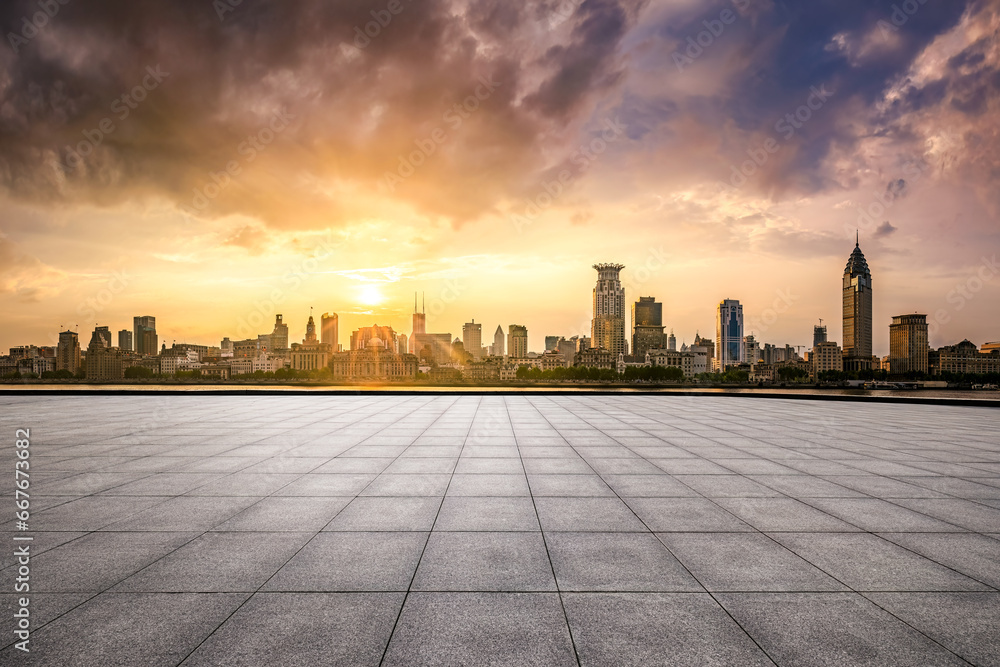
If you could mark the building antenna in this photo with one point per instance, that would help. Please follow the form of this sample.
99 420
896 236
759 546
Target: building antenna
423 302
414 302
857 242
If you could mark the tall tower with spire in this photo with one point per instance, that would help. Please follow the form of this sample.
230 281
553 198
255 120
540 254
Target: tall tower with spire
607 329
857 311
419 323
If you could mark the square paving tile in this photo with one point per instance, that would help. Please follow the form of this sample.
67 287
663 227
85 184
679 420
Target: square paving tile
304 629
640 629
327 484
408 485
98 561
129 629
292 514
958 511
403 466
217 563
387 514
648 486
833 629
616 562
484 561
976 556
965 623
590 514
782 514
352 562
463 514
184 513
727 486
685 515
866 562
745 562
488 485
874 514
501 629
489 466
568 485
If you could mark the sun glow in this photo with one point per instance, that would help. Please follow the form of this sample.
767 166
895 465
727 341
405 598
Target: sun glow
370 295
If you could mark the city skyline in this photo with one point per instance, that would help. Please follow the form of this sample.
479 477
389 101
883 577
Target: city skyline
708 157
609 294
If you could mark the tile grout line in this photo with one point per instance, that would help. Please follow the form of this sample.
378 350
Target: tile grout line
416 567
266 581
541 530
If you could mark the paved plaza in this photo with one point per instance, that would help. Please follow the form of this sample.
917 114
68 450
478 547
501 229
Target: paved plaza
590 529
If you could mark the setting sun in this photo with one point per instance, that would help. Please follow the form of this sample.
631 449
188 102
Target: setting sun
370 295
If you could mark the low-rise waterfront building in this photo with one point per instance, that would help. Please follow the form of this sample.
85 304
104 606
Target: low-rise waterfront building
963 358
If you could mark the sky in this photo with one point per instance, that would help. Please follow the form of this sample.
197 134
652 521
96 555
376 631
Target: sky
213 163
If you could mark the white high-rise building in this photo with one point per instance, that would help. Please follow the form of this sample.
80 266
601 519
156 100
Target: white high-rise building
607 329
729 347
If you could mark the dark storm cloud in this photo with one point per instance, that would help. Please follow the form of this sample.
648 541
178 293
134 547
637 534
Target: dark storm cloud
588 62
359 88
767 61
358 84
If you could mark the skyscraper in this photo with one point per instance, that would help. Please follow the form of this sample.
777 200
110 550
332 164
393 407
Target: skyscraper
819 334
144 338
517 341
857 312
68 352
729 347
472 338
498 348
647 326
672 341
607 329
419 325
330 330
552 343
908 344
125 340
